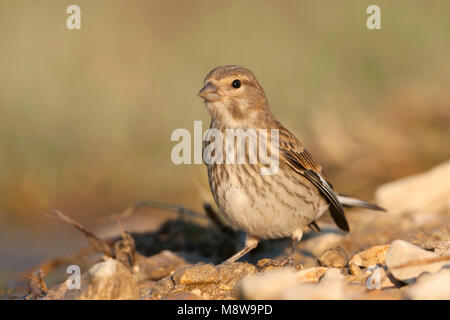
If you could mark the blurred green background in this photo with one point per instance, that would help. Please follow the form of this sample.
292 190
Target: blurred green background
86 116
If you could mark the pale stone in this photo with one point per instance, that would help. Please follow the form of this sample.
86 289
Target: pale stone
331 286
283 284
321 242
431 287
268 285
332 274
199 273
310 274
158 266
368 258
212 282
335 257
402 252
108 280
428 191
329 291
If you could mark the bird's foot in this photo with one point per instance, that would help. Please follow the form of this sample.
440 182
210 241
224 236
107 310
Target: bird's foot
266 264
288 262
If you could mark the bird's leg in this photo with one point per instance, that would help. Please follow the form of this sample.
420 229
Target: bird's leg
296 237
250 243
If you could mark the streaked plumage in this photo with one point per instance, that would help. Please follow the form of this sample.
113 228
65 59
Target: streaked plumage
266 206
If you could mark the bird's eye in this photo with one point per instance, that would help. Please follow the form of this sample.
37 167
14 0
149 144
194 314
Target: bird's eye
236 84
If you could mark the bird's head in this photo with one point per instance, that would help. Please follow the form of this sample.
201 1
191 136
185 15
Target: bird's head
233 95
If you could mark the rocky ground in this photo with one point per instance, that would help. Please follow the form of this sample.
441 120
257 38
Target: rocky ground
400 254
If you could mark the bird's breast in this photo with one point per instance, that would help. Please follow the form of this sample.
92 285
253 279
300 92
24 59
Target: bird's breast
271 206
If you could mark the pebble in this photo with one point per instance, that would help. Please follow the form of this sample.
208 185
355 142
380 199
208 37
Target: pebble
108 280
200 273
321 242
159 265
283 284
408 194
332 274
368 258
310 274
267 285
431 287
401 252
335 257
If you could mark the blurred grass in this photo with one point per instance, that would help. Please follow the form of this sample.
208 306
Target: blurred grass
86 116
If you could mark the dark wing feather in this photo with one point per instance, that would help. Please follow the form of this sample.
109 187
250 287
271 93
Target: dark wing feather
301 161
313 225
336 209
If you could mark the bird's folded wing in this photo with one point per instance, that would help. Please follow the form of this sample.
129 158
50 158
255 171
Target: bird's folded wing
298 158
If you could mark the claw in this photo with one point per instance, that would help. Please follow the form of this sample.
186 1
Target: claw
288 261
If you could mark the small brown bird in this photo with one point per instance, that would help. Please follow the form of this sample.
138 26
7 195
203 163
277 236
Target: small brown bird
266 206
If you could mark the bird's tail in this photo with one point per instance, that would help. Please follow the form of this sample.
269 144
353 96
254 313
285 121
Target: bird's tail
350 202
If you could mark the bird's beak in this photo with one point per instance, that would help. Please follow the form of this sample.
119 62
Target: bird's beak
209 92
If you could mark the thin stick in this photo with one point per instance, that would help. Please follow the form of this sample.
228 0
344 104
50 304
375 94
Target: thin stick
153 204
95 241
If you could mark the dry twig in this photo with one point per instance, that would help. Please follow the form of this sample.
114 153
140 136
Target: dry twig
153 204
95 241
